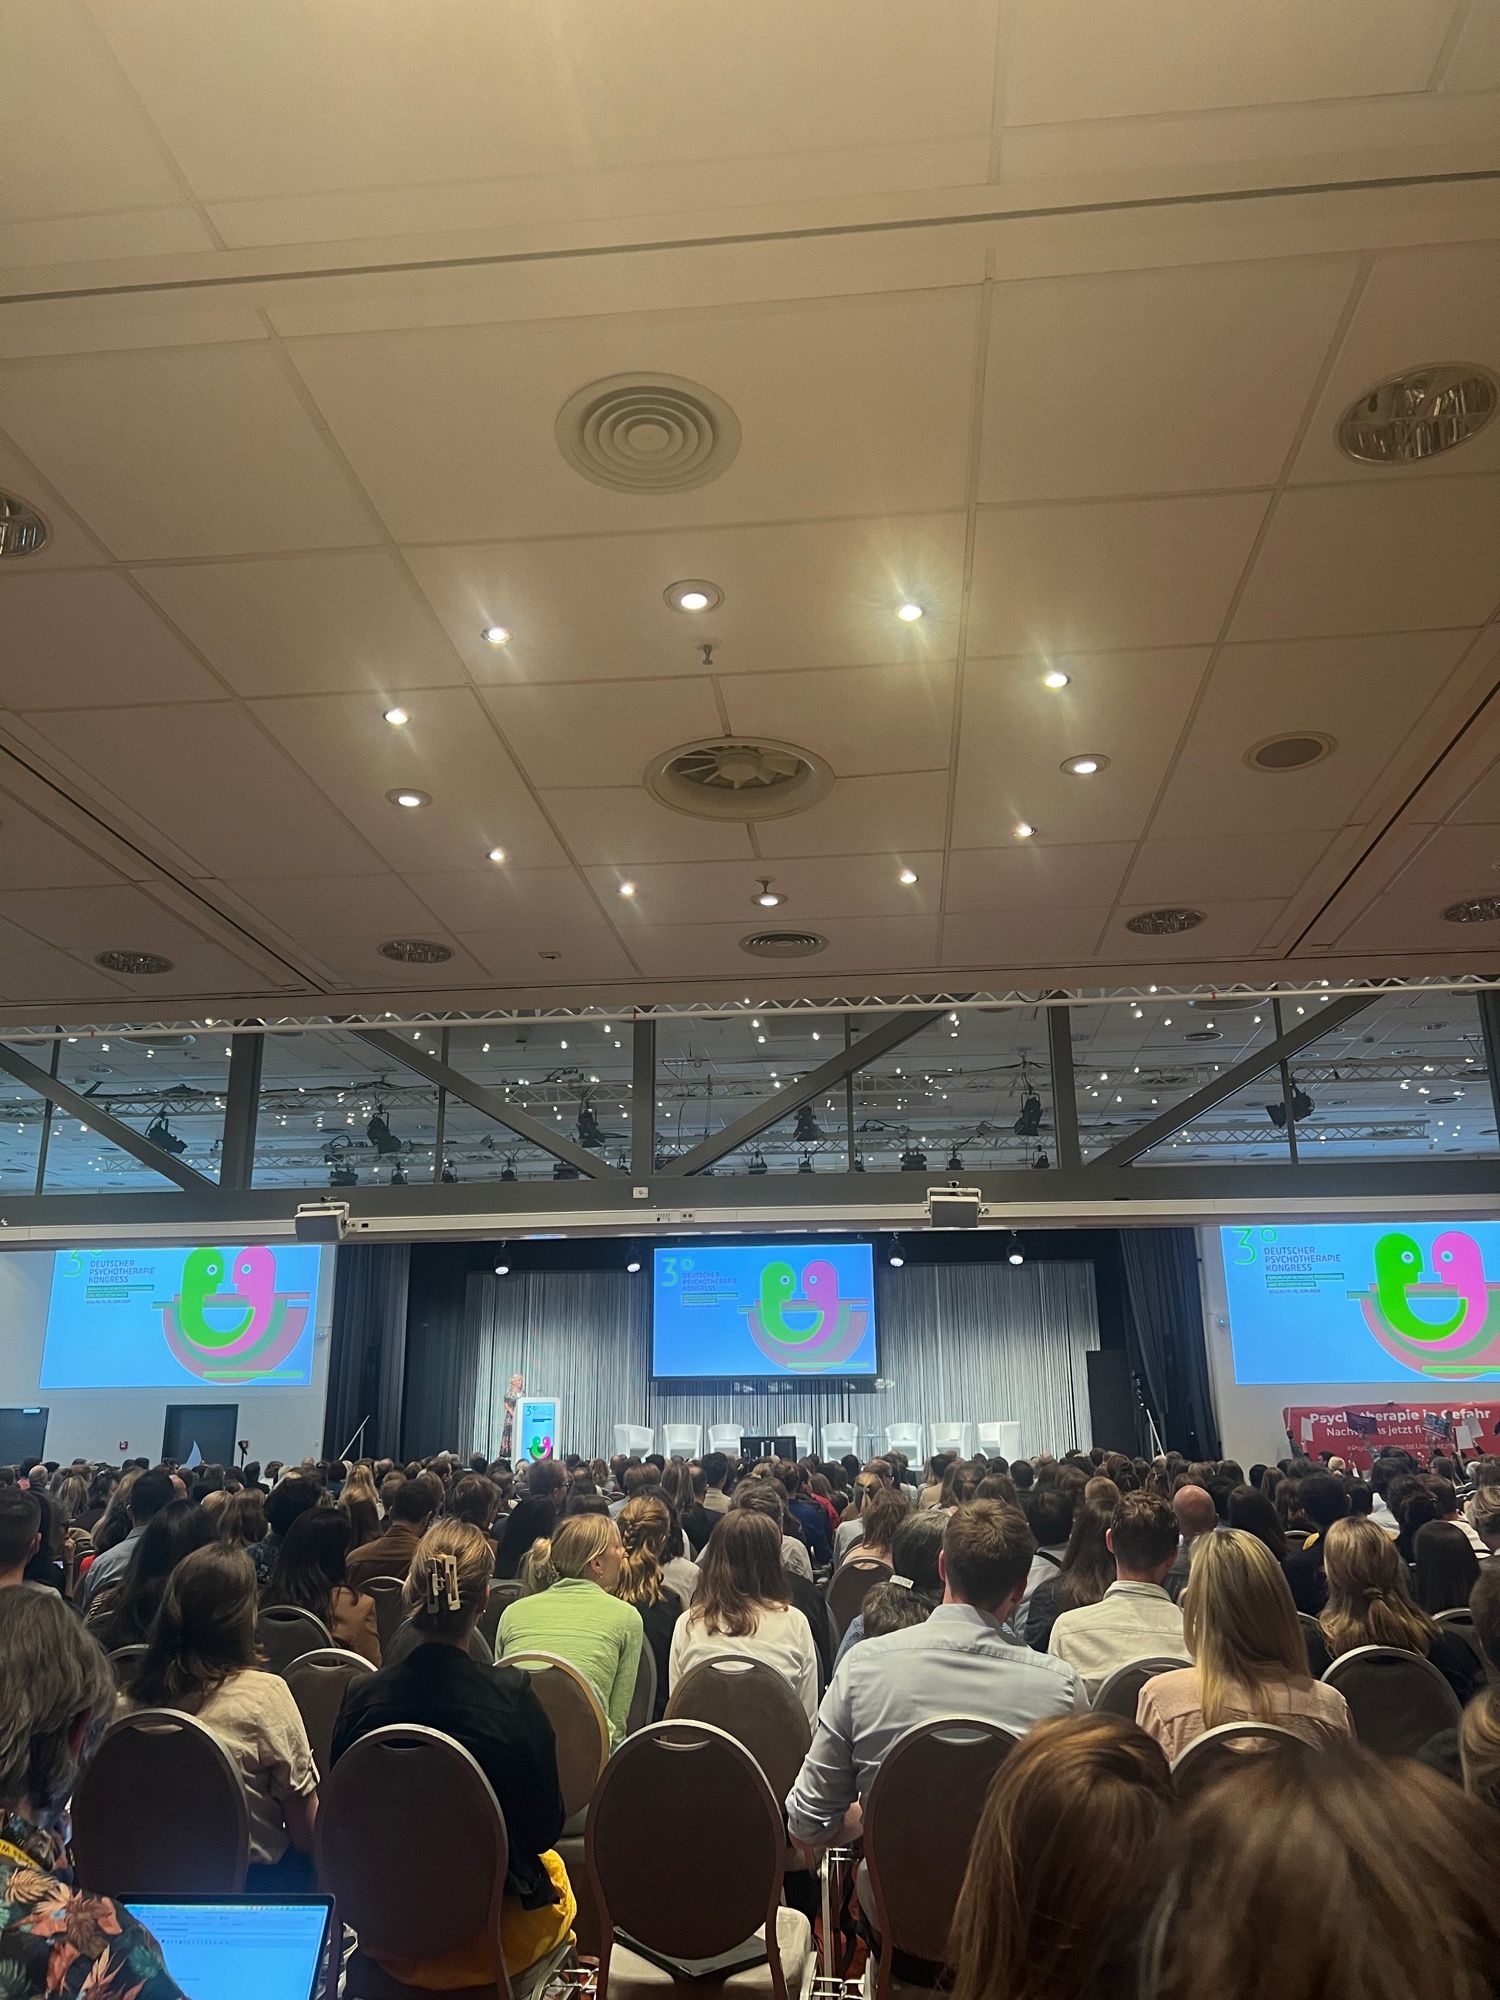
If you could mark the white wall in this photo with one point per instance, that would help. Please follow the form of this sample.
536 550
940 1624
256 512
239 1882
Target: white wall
1250 1413
112 1424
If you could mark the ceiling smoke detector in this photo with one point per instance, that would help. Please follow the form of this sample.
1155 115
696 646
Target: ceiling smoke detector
1417 415
1476 910
22 530
415 951
648 433
1290 753
783 944
738 778
139 964
1164 923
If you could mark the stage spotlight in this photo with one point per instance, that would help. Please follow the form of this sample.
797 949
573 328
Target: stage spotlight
508 1171
805 1165
564 1170
955 1162
588 1129
398 1175
342 1176
808 1129
449 1173
895 1259
757 1163
634 1265
859 1163
1277 1115
502 1270
1041 1162
1029 1119
160 1133
1302 1104
1015 1255
379 1133
913 1160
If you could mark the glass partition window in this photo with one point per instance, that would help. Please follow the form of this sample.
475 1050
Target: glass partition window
169 1087
334 1114
1403 1079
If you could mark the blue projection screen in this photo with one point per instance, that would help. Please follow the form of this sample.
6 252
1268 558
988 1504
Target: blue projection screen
760 1309
1351 1303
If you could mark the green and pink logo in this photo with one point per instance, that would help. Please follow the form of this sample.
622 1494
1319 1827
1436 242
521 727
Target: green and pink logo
228 1320
1444 1324
813 1328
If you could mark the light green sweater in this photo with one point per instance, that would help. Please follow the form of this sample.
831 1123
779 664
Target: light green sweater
588 1628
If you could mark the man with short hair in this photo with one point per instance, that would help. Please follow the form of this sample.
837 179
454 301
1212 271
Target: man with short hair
958 1663
20 1534
1446 1496
715 1473
548 1480
410 1516
150 1493
1196 1516
1324 1500
1135 1619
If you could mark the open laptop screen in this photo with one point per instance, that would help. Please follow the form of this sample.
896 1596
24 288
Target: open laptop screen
239 1948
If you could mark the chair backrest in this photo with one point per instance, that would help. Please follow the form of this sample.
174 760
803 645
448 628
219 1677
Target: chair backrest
752 1703
634 1440
161 1811
687 1899
1212 1753
1120 1692
725 1438
1316 1643
907 1439
389 1611
1460 1622
285 1632
643 1701
318 1682
840 1440
124 1660
578 1722
950 1437
681 1440
501 1594
802 1436
406 1896
1397 1699
850 1584
921 1815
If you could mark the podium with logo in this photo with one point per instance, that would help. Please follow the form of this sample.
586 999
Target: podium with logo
538 1428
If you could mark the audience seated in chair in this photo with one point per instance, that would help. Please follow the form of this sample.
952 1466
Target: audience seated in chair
20 1534
528 1522
1370 1604
120 1614
915 1587
145 1497
958 1662
494 1713
1323 1501
1445 1569
311 1573
1086 1572
361 1503
764 1496
1135 1619
878 1520
1249 1656
743 1605
1196 1516
408 1516
645 1525
876 1477
290 1498
1470 1754
200 1658
571 1611
1251 1510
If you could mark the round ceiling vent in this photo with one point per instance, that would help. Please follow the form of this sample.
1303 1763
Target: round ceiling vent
1417 415
738 778
22 529
1164 923
1477 910
1203 1035
783 944
1290 753
648 433
415 951
139 964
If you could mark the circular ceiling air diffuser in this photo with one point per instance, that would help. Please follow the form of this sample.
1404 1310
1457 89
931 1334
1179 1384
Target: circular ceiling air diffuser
22 529
415 951
1476 910
1290 753
738 778
139 964
648 433
783 944
1164 923
1418 414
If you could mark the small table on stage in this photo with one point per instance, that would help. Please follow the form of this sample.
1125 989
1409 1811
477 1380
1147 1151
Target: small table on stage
752 1448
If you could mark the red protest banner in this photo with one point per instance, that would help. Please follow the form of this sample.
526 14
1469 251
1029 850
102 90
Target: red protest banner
1356 1431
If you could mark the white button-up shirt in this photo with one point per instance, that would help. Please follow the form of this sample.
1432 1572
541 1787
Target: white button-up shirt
1132 1621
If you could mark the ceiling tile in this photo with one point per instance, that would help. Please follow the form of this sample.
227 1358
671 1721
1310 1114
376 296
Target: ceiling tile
1116 574
1003 941
1475 64
185 451
1034 875
1382 911
1241 867
526 898
34 855
860 720
605 734
810 594
202 968
901 814
360 963
307 624
427 418
311 908
448 750
549 955
1222 361
113 918
624 824
817 891
1367 694
33 974
1128 707
78 639
68 545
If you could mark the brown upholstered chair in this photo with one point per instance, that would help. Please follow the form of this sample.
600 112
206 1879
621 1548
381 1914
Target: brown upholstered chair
133 1835
318 1683
643 1701
578 1722
753 1704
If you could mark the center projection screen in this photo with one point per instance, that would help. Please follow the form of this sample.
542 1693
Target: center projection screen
764 1309
1364 1302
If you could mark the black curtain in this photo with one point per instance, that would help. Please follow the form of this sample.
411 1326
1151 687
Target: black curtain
367 1363
445 1350
1165 1339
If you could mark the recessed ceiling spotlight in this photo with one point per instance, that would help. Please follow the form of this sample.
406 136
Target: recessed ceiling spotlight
496 635
1085 766
694 595
397 717
1056 679
502 1270
768 898
411 799
497 854
908 613
1418 414
1025 831
908 878
627 888
634 1265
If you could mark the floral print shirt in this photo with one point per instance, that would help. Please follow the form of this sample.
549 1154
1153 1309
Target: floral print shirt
57 1943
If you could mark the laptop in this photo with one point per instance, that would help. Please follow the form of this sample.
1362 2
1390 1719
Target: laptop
240 1947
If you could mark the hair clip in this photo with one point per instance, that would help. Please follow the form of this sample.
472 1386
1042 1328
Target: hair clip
903 1582
442 1583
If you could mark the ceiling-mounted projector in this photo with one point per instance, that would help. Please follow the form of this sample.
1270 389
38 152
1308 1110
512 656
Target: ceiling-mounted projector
953 1208
322 1222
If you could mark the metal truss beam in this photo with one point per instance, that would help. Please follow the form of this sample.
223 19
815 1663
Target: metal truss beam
642 1099
1064 1089
858 1055
482 1100
97 1119
241 1111
1282 1049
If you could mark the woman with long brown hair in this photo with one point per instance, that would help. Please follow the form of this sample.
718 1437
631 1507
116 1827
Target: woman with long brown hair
645 1525
743 1606
1370 1604
1086 1572
1049 1906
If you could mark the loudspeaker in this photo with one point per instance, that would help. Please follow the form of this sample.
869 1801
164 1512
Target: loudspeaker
1115 1420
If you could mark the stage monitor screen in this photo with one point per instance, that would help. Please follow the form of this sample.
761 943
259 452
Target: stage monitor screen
236 1316
1357 1302
763 1309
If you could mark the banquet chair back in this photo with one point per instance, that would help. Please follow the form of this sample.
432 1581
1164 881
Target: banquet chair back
318 1683
850 1584
123 1661
643 1701
1397 1699
752 1703
1215 1752
1120 1691
284 1632
161 1811
578 1722
389 1612
1460 1622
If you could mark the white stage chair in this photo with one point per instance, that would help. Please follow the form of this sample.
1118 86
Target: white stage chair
1002 1440
803 1433
725 1438
634 1440
681 1440
907 1439
839 1440
951 1437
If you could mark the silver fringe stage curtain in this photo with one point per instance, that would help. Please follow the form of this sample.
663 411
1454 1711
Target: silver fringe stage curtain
958 1342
